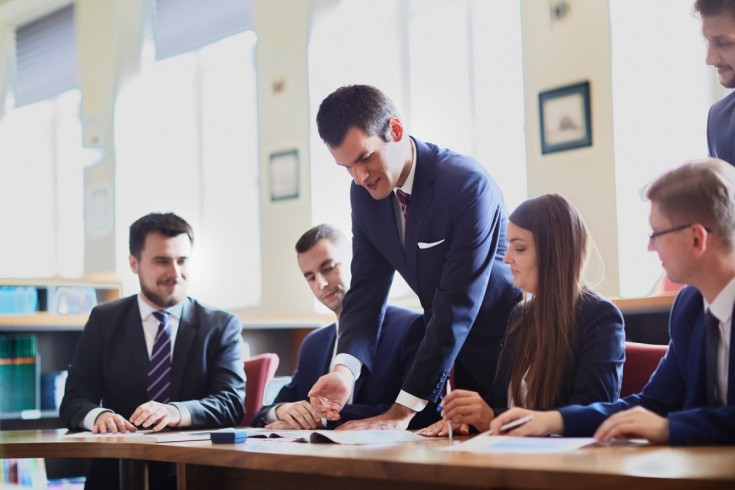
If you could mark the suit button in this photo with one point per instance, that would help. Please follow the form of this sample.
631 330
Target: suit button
433 392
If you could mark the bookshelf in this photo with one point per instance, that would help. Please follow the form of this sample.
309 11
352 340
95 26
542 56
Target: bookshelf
56 334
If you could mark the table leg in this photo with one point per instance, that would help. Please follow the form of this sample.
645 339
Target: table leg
133 474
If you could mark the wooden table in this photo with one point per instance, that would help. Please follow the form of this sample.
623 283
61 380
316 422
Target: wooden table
409 466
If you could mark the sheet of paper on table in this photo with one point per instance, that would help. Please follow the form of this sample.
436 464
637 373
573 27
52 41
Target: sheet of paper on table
527 445
353 437
146 436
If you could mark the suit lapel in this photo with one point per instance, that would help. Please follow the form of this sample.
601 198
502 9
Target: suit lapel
184 337
421 196
136 341
698 373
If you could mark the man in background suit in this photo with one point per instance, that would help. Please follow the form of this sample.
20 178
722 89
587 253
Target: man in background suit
718 28
155 359
324 256
438 219
690 398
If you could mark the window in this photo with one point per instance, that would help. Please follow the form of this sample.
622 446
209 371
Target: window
41 155
186 142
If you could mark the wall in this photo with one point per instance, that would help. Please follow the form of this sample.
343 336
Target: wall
283 124
563 52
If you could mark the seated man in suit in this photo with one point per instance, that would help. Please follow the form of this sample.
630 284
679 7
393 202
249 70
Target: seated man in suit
155 359
690 398
324 255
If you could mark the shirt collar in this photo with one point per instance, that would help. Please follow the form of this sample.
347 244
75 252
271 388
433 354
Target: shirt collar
407 186
722 305
146 310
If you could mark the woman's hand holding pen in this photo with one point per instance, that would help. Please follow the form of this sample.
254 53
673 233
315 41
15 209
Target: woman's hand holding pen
541 424
468 408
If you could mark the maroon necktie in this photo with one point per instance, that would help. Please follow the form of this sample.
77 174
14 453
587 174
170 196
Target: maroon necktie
405 200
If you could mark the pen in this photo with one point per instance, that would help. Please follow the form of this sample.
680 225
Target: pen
513 425
449 422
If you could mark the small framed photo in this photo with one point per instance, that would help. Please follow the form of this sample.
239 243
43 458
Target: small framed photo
566 118
284 175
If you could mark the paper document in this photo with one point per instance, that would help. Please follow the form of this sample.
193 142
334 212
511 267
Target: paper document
528 445
146 436
355 437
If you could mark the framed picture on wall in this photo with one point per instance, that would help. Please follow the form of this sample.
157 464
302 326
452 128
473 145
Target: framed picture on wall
284 175
566 118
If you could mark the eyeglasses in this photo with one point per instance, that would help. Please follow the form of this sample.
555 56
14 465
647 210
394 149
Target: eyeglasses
672 230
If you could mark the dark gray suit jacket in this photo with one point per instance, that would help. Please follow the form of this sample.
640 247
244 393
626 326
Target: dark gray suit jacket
110 365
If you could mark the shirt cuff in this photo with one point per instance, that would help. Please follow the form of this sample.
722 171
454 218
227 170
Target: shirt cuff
185 414
91 417
270 416
409 401
350 362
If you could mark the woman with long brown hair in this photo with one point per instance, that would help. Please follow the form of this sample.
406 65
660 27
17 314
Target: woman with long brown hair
565 343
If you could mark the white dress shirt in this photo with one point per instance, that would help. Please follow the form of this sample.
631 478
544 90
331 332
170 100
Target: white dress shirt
722 307
352 363
150 330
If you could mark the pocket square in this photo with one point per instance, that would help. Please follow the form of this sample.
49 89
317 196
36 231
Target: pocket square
423 245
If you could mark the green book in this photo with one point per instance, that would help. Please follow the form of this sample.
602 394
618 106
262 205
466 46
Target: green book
25 379
6 373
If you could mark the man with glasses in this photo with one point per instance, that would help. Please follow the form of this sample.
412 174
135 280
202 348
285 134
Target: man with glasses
718 28
690 398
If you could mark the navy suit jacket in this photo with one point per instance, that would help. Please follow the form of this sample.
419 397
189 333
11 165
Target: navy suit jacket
721 129
110 365
677 389
375 391
467 293
595 372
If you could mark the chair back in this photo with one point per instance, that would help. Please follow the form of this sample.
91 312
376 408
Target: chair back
258 370
641 360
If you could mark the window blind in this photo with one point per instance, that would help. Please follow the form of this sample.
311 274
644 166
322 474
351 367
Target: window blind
182 25
46 56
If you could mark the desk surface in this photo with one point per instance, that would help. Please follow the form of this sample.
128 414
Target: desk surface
417 463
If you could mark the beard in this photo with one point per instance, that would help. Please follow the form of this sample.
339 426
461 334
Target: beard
162 301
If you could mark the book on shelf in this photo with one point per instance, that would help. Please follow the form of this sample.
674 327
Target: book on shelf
19 379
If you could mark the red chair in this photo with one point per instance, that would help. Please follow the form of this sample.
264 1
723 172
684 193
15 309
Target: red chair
258 370
641 360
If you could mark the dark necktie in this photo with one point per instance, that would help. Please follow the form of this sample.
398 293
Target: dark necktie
159 372
711 342
405 200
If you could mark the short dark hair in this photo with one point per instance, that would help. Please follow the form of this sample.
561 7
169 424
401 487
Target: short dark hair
714 7
354 106
167 224
698 191
321 232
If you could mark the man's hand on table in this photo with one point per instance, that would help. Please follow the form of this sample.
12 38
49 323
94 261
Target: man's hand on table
113 423
298 415
396 418
155 416
635 422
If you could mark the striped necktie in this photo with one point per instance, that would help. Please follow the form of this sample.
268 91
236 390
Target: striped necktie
159 373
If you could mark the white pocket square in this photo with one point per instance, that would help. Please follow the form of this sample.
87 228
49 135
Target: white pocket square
423 245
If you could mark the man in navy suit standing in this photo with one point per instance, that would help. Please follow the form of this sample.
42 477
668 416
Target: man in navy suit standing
324 256
690 398
718 28
438 219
